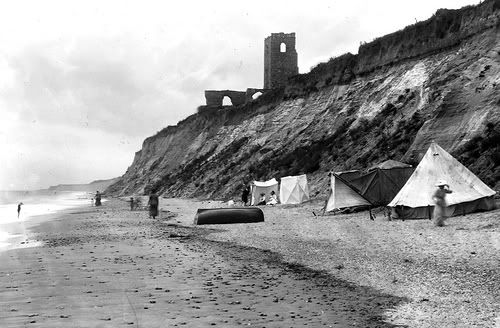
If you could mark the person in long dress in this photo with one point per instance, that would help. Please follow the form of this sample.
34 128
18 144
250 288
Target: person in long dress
153 204
245 194
97 198
439 198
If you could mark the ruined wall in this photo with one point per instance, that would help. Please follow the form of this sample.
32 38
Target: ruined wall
278 65
215 97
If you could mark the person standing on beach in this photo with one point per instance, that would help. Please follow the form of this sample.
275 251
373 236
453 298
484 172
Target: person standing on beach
97 198
244 194
19 209
153 204
131 203
439 198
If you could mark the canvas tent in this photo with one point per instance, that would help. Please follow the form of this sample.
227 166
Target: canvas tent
294 189
375 187
259 187
342 195
381 182
469 195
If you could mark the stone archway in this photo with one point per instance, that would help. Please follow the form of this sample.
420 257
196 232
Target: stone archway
253 91
226 101
216 97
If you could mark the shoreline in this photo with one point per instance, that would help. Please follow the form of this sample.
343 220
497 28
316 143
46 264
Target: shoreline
109 266
40 208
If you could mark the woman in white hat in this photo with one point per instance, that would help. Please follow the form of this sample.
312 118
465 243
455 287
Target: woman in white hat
439 198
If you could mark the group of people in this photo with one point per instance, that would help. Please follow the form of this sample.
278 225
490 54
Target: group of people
439 198
273 198
135 203
153 203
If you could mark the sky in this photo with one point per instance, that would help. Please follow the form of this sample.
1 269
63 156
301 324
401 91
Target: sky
83 83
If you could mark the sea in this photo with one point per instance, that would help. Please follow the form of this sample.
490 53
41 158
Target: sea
34 203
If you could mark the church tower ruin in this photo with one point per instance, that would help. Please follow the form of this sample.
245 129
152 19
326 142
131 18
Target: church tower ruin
280 59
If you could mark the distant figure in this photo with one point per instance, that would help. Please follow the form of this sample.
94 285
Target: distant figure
262 199
97 198
19 209
153 204
137 203
244 195
131 203
439 198
273 199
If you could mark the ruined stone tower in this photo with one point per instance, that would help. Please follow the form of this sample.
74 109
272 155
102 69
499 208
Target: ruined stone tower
280 59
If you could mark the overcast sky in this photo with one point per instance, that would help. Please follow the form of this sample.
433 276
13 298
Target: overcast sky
83 83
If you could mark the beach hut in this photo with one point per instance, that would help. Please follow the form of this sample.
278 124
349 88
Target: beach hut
294 189
469 195
262 187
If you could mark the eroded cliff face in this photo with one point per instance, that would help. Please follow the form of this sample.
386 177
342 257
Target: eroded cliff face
346 114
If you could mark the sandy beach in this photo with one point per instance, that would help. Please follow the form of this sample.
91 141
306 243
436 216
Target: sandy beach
110 267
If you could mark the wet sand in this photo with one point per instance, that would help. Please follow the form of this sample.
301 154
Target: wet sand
109 267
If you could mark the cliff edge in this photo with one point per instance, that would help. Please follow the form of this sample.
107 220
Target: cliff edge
435 80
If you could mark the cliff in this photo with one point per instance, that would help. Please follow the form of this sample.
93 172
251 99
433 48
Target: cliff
435 80
90 187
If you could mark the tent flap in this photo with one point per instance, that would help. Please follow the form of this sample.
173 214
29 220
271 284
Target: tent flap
343 195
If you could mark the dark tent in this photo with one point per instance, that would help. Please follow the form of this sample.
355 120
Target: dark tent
349 175
382 182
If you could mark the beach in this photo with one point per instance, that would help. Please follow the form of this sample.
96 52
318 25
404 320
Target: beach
111 267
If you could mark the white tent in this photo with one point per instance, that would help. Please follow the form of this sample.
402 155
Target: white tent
342 195
470 194
294 189
259 187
